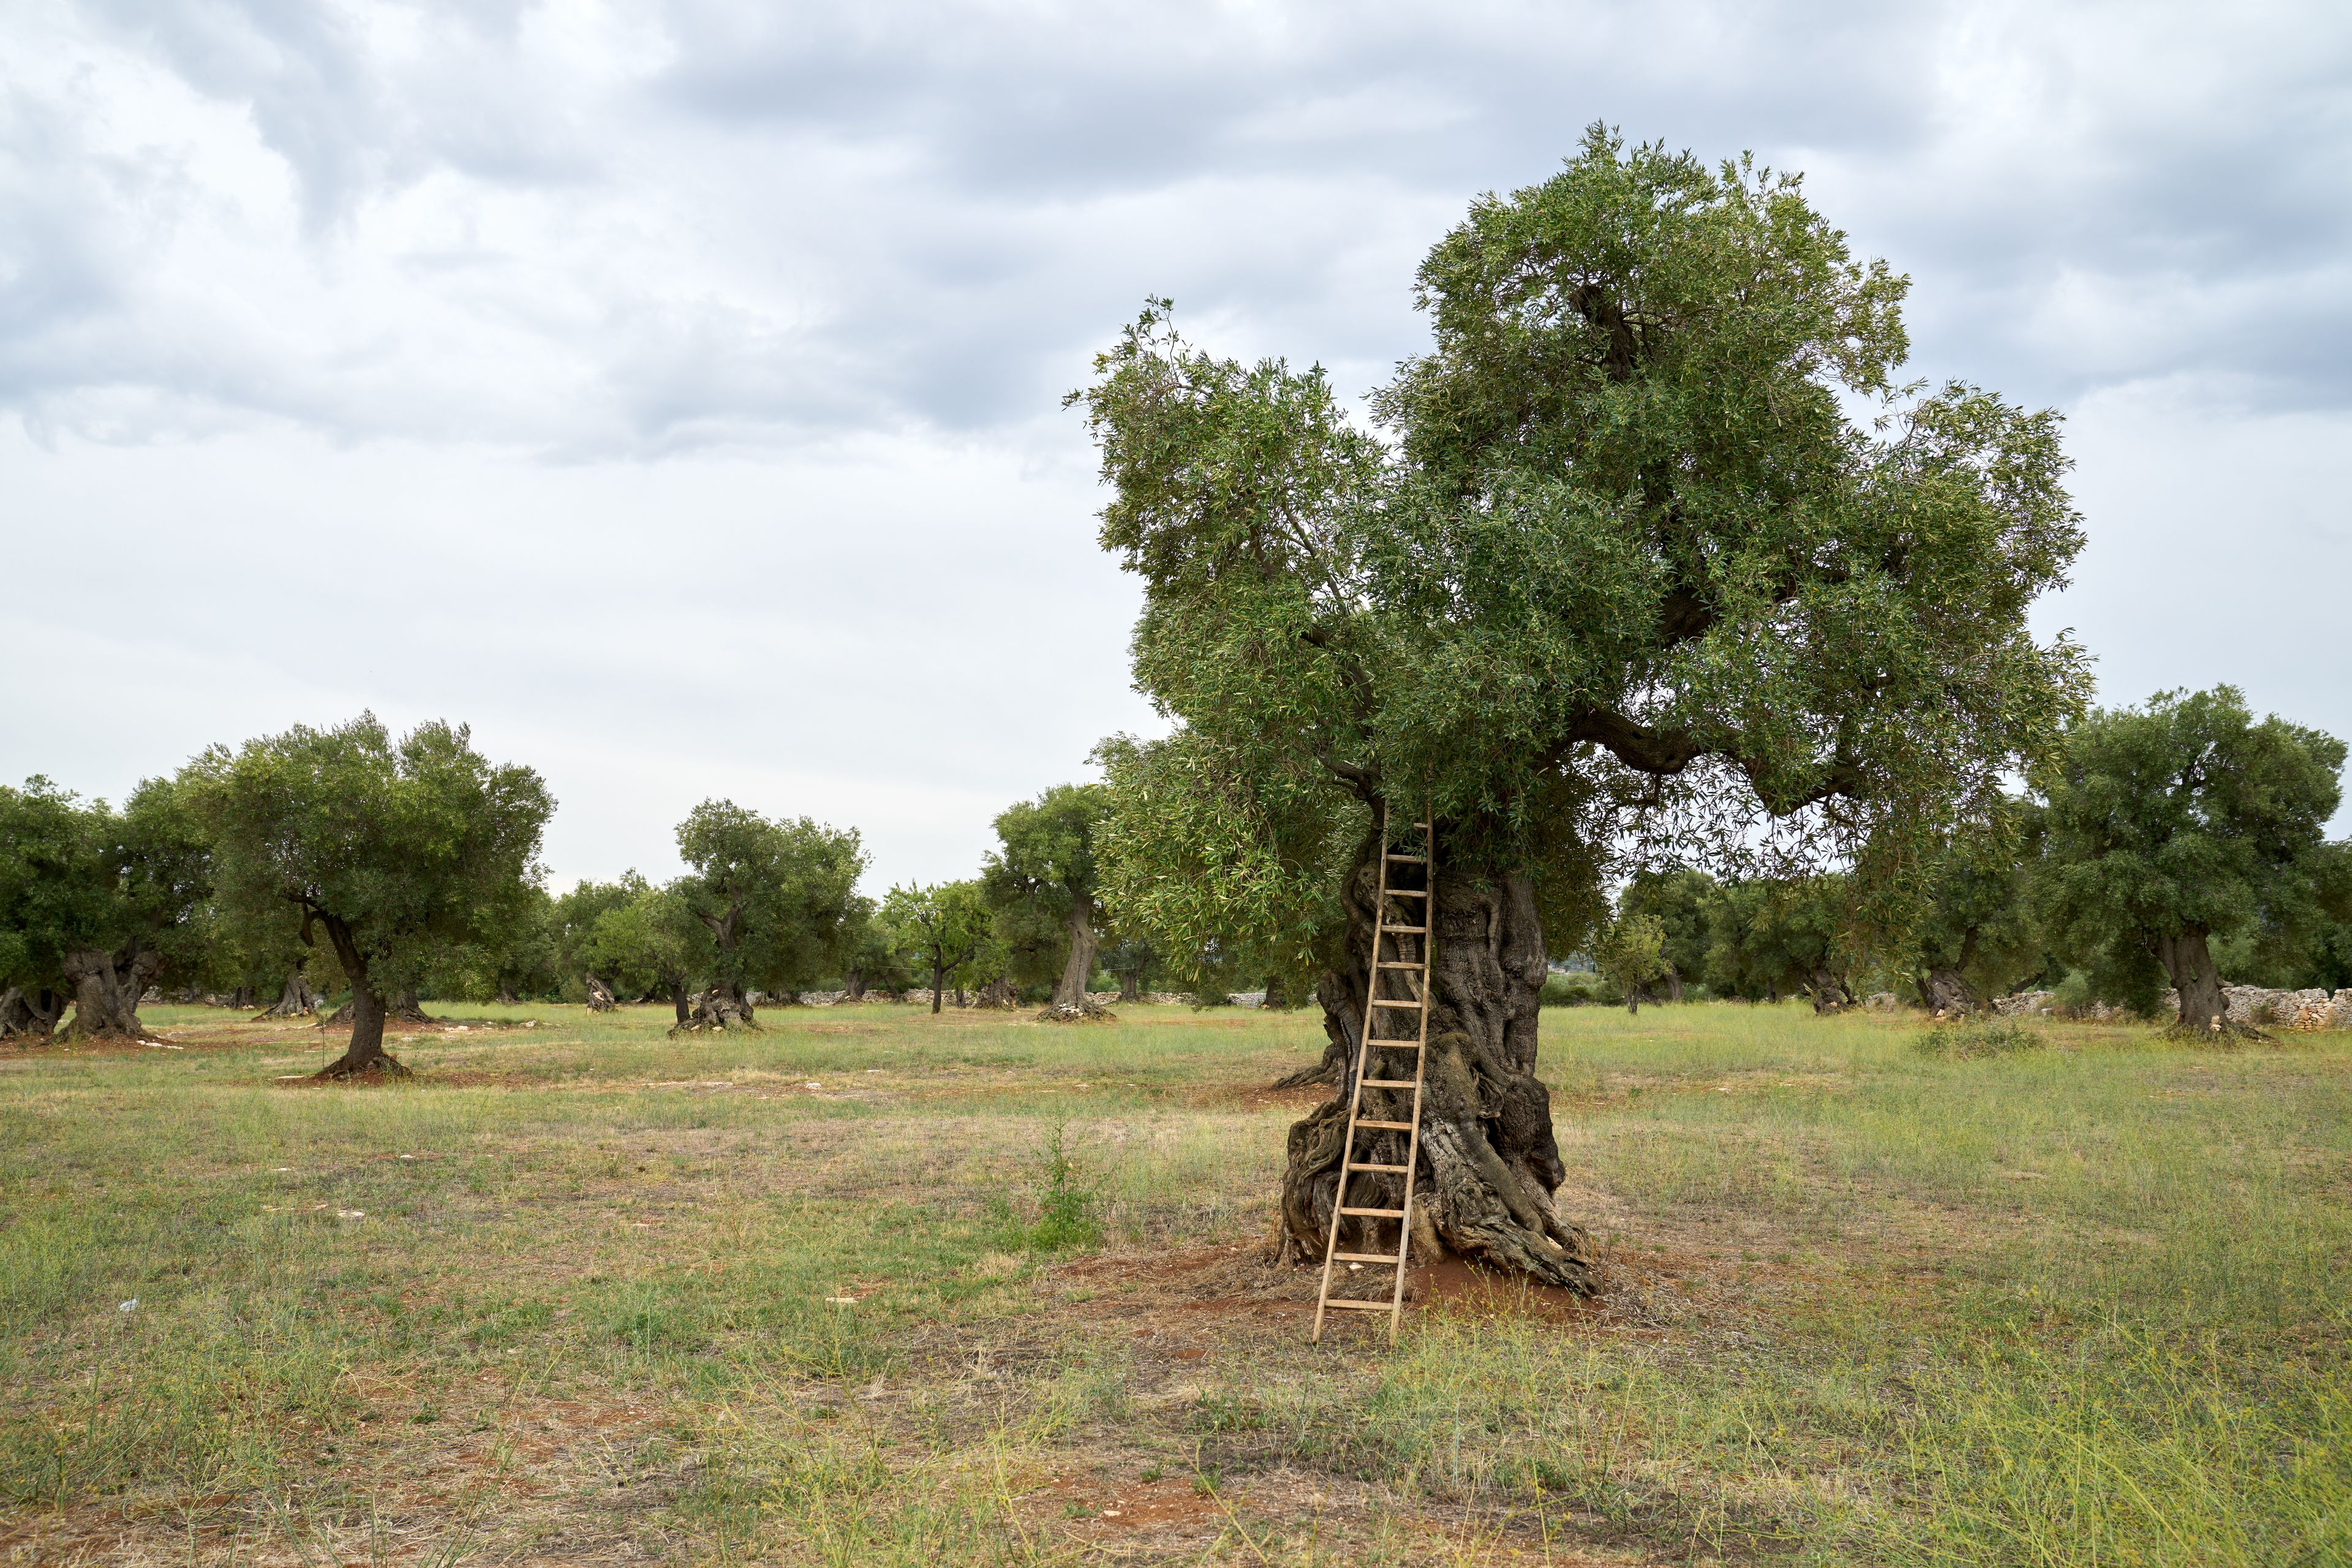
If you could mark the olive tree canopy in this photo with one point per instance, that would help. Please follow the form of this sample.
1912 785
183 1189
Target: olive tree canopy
1618 555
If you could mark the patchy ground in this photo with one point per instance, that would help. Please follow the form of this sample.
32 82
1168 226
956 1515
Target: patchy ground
578 1293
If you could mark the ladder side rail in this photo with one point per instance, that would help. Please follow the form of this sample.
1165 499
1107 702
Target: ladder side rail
1420 1064
1356 1095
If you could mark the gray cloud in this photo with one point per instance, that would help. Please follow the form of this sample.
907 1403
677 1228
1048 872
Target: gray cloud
740 330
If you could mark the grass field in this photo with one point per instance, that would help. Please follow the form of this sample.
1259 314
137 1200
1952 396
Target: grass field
871 1287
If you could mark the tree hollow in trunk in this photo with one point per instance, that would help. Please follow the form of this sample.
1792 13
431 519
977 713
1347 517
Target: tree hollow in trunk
1489 1162
31 1013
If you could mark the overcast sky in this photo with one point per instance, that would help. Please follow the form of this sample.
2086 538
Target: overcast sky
672 391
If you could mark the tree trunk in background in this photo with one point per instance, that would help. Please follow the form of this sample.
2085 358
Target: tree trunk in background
1829 990
2204 1007
1489 1161
998 992
365 1054
1071 1005
506 996
1130 988
679 999
1276 997
938 978
721 1008
1673 983
241 997
853 986
1634 1000
296 999
1948 991
600 995
404 1006
32 1013
107 987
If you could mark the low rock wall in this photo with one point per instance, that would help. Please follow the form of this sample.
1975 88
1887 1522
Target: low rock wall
2298 1012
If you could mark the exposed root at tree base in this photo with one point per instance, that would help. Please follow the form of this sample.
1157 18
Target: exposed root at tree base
376 1069
1077 1013
2224 1033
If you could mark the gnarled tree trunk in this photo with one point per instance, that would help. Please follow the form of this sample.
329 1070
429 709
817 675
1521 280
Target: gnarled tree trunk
1673 983
1489 1163
106 990
296 1000
32 1013
600 996
1071 1005
2204 1006
365 1053
721 1008
1343 1017
998 992
1947 990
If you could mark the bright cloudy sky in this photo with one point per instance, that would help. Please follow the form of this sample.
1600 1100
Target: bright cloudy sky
672 390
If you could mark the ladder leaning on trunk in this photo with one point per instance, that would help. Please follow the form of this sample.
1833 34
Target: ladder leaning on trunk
1408 968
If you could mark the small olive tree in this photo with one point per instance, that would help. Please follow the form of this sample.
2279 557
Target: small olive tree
2180 820
396 851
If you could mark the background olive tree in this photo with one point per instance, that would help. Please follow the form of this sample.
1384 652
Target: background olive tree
398 852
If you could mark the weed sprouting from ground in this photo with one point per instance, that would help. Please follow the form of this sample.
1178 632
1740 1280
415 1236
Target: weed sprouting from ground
1066 1195
1977 1037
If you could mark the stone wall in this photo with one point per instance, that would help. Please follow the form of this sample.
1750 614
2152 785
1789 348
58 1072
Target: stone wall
2301 1012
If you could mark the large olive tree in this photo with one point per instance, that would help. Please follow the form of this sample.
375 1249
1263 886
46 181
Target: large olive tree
1622 551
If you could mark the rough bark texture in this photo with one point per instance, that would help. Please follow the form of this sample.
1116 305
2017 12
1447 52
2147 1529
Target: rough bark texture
365 1054
296 1001
1071 1005
242 997
32 1013
2204 1007
106 991
1343 1015
721 1008
600 995
1130 985
1948 991
1830 991
1489 1163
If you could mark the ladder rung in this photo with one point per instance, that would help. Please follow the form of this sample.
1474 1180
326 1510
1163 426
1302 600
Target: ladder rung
1386 1126
1360 1306
1402 964
1403 930
1388 1257
1380 1045
1377 1213
1409 859
1408 892
1386 1083
1414 1002
1360 1166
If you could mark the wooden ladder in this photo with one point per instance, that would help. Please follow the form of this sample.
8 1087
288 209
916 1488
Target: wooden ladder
1412 974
